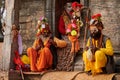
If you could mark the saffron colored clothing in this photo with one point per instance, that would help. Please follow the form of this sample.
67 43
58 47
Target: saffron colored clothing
74 39
32 54
42 59
75 44
100 56
46 58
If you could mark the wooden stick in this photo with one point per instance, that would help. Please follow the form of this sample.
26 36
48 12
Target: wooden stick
86 27
21 72
85 34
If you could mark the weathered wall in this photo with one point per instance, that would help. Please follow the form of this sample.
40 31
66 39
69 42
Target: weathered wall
110 10
29 14
33 9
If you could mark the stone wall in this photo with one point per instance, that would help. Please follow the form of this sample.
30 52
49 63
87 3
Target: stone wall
30 12
3 75
110 10
33 9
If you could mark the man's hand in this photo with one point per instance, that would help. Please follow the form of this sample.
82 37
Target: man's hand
52 42
38 48
94 49
78 35
86 48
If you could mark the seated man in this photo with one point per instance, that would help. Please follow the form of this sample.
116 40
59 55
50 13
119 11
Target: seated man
42 56
32 53
66 55
73 28
97 48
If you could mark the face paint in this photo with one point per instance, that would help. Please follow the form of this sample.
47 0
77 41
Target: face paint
95 33
77 9
43 25
68 7
45 34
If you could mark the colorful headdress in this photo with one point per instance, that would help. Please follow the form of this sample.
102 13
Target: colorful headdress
96 20
97 16
43 19
43 26
76 4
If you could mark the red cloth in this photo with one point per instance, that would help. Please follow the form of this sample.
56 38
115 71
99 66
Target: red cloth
17 61
61 26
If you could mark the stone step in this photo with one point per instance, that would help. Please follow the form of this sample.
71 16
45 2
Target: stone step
78 65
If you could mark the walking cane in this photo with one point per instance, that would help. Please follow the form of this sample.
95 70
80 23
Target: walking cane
86 27
21 72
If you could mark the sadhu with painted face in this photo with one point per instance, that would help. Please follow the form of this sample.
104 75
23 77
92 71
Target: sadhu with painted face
98 47
43 54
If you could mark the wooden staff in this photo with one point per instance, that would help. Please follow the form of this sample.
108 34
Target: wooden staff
21 72
86 27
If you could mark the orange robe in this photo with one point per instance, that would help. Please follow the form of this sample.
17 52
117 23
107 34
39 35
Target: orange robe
32 54
42 59
74 40
45 59
75 44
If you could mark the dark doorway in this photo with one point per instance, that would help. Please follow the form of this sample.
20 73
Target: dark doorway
74 0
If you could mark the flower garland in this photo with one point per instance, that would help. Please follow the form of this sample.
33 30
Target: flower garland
43 26
72 29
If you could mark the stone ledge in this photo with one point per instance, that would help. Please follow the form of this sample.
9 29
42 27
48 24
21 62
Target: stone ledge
61 75
117 52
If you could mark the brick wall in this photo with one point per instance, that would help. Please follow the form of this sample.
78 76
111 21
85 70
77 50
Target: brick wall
29 14
110 10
